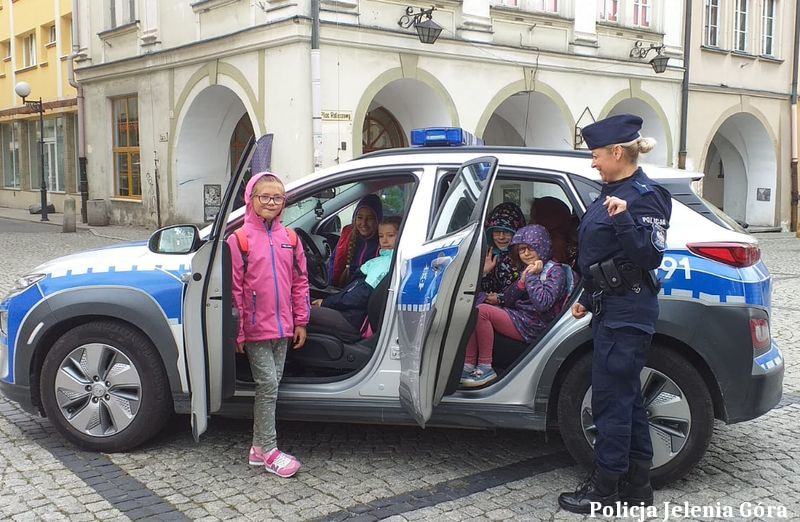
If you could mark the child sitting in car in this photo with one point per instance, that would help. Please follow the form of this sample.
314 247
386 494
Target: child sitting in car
499 271
351 303
529 305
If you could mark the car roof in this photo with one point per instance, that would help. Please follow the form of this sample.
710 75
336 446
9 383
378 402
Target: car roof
571 161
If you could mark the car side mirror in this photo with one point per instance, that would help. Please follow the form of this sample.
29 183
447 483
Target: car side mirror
177 239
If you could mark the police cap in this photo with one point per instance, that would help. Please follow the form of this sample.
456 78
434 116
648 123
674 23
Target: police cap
621 128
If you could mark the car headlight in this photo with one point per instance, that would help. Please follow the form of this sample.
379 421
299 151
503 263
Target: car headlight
3 322
23 283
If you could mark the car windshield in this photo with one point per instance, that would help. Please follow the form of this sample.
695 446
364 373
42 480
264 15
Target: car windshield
305 206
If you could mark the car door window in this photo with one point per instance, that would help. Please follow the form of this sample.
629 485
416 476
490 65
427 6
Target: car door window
459 203
587 190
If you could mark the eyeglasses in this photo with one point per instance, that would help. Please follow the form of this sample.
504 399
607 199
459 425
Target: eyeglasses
264 199
524 248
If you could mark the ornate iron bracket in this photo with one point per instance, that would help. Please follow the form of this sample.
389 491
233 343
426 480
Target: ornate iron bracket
411 18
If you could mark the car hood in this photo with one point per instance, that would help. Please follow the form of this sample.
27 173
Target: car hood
123 257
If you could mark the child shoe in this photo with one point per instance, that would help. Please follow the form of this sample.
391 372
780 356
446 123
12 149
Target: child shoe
256 459
275 461
480 376
466 373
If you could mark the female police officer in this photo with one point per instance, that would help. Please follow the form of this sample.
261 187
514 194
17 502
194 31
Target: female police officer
621 241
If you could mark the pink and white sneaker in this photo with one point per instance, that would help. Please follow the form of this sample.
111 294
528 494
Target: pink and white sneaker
275 461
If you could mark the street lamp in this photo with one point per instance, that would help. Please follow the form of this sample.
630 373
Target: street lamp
658 62
23 90
427 31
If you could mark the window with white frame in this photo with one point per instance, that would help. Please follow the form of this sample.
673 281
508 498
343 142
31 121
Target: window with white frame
607 10
740 26
641 13
120 12
711 23
549 6
52 31
768 28
29 50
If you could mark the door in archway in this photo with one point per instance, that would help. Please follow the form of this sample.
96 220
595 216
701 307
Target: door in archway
381 131
239 138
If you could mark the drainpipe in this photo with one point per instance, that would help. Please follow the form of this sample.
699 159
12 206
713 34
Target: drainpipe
316 94
687 51
83 180
794 173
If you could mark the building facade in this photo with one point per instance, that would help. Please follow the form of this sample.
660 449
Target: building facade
739 106
35 39
174 89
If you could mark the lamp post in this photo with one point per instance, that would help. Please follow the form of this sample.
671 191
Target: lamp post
23 90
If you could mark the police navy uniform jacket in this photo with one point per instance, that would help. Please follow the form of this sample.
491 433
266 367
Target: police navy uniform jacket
637 234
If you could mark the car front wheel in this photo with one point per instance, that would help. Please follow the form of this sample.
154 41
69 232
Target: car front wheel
104 387
679 410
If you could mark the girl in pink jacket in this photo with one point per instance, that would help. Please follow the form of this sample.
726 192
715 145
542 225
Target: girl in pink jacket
270 289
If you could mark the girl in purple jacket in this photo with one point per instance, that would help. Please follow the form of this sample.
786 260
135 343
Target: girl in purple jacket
270 290
528 305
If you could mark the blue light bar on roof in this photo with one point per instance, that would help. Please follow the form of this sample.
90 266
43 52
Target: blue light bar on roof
443 137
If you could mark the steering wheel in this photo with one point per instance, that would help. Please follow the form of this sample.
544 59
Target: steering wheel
317 263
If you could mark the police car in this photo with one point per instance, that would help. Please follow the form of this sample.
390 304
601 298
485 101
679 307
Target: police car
109 343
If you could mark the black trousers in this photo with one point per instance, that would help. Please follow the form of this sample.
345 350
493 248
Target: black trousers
623 432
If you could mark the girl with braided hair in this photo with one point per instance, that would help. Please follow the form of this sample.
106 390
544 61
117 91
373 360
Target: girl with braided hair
358 242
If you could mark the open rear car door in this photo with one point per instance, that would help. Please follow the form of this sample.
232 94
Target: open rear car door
438 287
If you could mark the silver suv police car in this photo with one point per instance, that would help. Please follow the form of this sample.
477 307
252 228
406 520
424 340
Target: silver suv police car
109 343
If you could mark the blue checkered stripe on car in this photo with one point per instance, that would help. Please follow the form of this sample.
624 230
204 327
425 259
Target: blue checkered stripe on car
772 359
160 281
687 276
420 287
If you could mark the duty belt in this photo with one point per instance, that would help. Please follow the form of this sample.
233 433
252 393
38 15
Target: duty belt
619 276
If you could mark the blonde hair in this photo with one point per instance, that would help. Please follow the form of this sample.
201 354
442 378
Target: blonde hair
269 178
632 149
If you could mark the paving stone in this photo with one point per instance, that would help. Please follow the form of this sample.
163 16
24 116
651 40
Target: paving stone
369 471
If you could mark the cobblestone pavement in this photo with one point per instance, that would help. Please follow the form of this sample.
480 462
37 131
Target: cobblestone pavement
371 472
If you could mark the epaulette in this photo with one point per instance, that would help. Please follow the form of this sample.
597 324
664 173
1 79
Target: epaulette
643 188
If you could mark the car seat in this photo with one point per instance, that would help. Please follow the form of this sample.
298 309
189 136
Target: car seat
507 350
334 344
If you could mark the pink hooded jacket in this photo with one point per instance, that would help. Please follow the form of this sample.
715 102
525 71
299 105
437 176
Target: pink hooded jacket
272 297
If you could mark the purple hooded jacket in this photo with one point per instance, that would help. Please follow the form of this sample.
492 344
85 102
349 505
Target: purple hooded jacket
532 303
272 298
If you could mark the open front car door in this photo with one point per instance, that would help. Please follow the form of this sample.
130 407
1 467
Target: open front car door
438 287
210 325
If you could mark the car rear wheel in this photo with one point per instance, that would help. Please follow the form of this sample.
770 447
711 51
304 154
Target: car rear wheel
678 405
104 387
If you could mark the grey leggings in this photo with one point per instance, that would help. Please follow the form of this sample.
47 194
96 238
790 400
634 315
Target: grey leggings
266 363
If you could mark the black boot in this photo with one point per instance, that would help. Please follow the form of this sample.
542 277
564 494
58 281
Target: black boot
634 486
600 487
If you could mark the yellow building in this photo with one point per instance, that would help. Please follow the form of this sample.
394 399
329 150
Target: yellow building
36 43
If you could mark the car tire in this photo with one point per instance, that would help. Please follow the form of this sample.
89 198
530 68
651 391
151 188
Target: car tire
679 381
104 387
